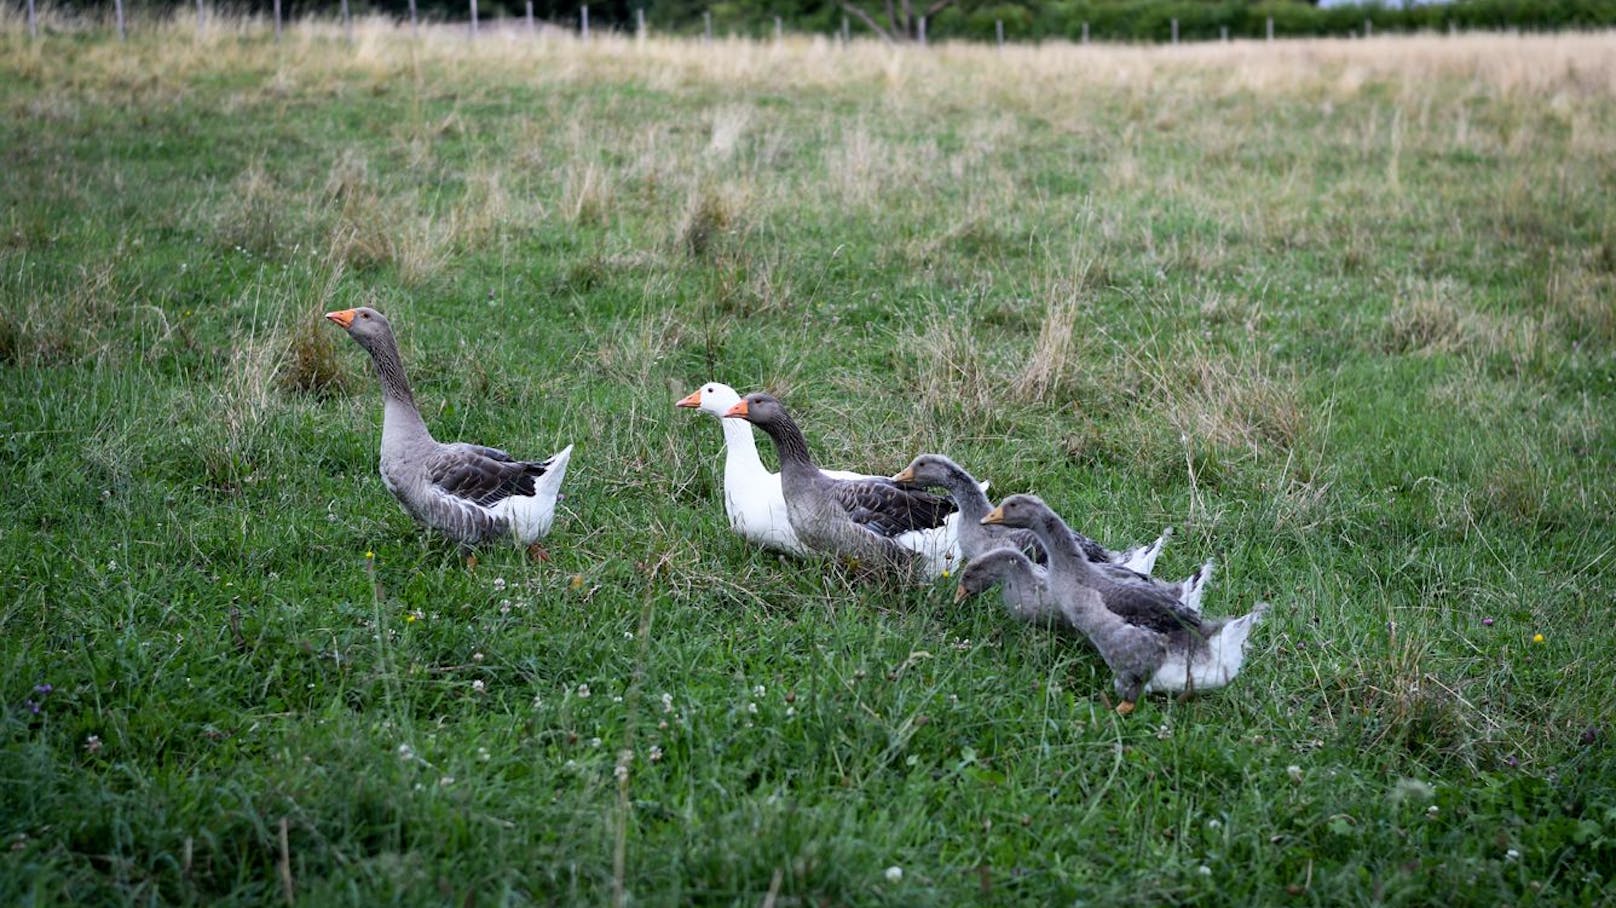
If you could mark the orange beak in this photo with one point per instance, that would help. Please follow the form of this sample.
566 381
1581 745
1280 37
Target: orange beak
994 516
343 317
739 410
908 475
694 400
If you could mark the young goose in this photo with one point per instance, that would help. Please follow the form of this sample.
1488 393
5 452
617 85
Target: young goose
1149 641
1023 586
977 539
752 496
467 492
875 519
935 470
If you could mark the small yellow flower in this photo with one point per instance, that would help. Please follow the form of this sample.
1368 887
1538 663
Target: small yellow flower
369 555
577 582
1537 638
409 617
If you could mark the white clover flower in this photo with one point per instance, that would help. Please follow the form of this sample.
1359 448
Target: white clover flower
1512 855
499 584
406 752
667 703
1204 870
1295 772
483 755
655 754
751 708
583 692
894 874
759 691
478 686
446 781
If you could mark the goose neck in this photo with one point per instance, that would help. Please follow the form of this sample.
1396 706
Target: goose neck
788 443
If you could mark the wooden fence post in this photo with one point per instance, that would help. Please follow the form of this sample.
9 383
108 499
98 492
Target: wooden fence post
201 19
1085 33
1270 28
33 21
1368 28
347 22
277 20
707 25
1175 29
779 30
1223 33
123 33
474 18
583 21
529 15
415 22
846 34
922 31
639 22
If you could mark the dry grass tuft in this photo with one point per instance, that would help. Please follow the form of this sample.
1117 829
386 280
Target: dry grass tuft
712 214
255 213
309 362
1047 372
952 372
1237 404
1435 317
361 235
586 193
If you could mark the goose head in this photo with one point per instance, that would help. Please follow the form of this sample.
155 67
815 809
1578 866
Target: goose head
713 397
931 470
1021 511
758 409
365 325
987 570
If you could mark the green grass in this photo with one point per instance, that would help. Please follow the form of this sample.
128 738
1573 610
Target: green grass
1341 313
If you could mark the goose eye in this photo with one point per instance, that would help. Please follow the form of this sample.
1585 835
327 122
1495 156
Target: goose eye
364 315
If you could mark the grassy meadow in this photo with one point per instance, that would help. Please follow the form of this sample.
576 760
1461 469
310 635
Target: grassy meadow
1343 313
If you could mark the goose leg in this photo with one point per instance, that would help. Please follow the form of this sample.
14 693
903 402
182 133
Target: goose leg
1130 690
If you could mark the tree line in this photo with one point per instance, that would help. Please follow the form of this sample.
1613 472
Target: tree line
981 20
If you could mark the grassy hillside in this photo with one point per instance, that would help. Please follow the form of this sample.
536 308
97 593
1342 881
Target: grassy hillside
1340 312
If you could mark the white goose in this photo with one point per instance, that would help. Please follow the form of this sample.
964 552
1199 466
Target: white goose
756 504
876 519
752 498
467 492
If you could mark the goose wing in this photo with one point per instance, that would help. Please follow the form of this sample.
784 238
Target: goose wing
1152 609
888 509
481 475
